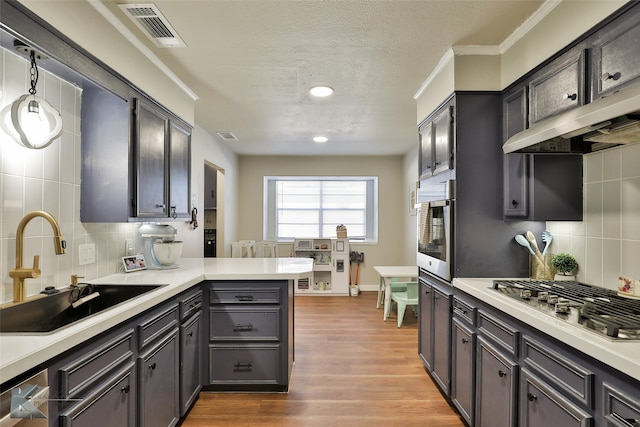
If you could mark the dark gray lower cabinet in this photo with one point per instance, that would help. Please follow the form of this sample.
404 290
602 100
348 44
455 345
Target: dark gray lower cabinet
111 403
250 331
442 338
425 330
542 406
158 383
462 369
496 386
190 361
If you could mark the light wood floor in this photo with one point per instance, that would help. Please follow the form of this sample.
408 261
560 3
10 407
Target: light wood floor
351 369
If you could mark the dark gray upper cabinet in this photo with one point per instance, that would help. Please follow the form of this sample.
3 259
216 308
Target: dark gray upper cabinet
559 87
179 171
615 58
151 150
436 143
210 184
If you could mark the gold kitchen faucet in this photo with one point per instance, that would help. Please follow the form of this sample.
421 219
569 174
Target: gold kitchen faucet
20 273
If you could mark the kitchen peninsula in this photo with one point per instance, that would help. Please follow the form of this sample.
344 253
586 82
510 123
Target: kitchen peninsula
266 282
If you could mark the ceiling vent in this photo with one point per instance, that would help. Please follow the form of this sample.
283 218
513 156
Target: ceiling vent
227 136
150 20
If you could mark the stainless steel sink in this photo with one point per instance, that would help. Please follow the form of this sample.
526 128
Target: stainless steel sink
52 312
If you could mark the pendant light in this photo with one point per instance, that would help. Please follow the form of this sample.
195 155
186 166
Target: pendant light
31 120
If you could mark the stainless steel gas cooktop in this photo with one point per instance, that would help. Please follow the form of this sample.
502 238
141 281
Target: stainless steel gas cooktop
599 310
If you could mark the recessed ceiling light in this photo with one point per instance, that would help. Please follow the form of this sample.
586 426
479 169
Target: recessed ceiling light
321 91
320 139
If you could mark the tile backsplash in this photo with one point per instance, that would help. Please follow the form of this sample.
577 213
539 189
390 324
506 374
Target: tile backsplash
49 180
607 242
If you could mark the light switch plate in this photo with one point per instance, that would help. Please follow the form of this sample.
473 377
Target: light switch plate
128 247
86 254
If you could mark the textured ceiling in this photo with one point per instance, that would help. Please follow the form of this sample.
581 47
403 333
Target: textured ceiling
252 62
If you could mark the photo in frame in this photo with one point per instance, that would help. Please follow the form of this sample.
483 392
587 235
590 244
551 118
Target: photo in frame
133 263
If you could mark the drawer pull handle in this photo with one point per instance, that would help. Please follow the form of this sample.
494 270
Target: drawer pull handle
243 328
460 311
531 397
244 297
242 367
152 366
502 373
614 76
464 340
570 96
125 389
630 422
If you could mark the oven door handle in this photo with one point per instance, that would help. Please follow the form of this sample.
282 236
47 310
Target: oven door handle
440 203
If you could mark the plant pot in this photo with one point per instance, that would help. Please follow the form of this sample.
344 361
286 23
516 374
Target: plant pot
565 277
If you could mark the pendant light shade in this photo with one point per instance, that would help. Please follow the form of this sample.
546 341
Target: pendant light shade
31 120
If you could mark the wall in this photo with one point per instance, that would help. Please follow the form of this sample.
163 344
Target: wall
607 242
48 179
393 201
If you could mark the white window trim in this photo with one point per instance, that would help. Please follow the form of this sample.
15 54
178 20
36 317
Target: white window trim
269 216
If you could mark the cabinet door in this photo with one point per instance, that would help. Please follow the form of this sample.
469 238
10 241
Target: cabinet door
425 325
516 184
514 112
426 151
541 406
190 363
179 171
496 387
442 339
210 186
443 141
158 373
616 55
151 141
462 369
559 88
111 404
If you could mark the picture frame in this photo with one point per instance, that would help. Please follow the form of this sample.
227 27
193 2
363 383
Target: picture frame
134 263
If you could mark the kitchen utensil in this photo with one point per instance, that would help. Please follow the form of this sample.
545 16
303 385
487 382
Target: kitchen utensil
522 241
547 238
167 252
534 244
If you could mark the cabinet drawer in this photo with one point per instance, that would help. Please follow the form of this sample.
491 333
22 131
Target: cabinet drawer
621 408
463 311
559 88
498 331
244 364
157 325
240 295
86 371
190 304
562 373
244 323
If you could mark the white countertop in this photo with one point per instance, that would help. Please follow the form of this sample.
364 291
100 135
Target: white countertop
21 352
621 355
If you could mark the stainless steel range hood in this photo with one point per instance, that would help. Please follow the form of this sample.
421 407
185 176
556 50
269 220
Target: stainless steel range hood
604 123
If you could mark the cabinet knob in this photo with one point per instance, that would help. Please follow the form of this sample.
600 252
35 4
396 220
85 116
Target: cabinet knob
515 203
125 389
190 334
502 373
160 205
531 397
174 215
570 96
464 340
152 366
614 76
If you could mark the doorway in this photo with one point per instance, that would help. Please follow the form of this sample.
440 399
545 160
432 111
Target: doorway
213 210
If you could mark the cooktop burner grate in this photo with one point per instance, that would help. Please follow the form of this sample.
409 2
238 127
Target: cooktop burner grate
598 309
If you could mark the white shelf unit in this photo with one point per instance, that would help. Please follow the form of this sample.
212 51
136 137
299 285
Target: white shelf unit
330 268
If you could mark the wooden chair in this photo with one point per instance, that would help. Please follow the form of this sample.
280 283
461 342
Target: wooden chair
408 297
242 249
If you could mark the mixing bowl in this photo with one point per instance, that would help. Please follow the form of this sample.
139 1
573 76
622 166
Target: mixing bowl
167 252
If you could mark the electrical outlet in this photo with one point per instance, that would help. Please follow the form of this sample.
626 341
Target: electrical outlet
86 254
128 247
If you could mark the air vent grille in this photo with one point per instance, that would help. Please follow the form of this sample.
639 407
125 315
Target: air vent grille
227 136
150 20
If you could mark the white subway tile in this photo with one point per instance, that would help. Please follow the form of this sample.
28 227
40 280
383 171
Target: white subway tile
611 164
593 262
611 263
629 258
630 161
593 211
630 211
592 164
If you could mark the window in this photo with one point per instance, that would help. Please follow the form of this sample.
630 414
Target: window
314 206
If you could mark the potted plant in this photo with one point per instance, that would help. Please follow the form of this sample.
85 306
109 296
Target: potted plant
565 265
